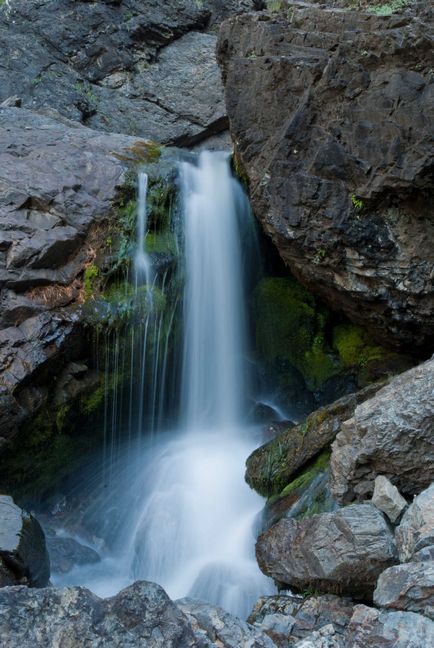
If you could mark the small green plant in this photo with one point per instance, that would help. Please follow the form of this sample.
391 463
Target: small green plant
389 8
274 5
357 202
85 89
90 275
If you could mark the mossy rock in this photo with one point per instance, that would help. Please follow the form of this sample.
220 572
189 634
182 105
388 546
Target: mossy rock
291 325
307 494
271 467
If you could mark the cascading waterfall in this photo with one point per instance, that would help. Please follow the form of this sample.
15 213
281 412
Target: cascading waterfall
184 516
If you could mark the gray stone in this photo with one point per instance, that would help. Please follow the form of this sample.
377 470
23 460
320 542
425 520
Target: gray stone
406 587
213 626
387 498
371 628
23 553
416 531
391 434
140 615
340 552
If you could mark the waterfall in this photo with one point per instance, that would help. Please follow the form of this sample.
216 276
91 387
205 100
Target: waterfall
142 264
182 513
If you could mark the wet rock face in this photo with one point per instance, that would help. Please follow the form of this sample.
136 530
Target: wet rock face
371 628
58 187
141 614
23 553
331 129
340 552
390 434
139 67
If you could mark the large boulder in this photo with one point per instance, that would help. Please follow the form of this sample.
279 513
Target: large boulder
371 628
407 587
141 67
23 553
140 615
60 185
341 552
390 434
270 467
415 534
332 130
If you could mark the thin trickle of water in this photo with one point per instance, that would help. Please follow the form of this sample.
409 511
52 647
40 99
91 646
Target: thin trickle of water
182 514
142 263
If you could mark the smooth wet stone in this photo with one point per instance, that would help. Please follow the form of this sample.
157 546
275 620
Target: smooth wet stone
23 553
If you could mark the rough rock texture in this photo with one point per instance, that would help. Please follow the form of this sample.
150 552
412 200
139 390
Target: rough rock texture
323 638
371 628
387 498
58 187
140 615
23 554
269 468
140 67
287 619
392 434
407 587
416 531
340 552
333 131
213 626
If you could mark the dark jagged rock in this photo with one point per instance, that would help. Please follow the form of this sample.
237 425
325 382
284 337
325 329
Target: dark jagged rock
270 467
140 615
139 67
390 434
341 552
332 130
23 553
59 184
407 587
371 628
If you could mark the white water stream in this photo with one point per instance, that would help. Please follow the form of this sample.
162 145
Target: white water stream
186 515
